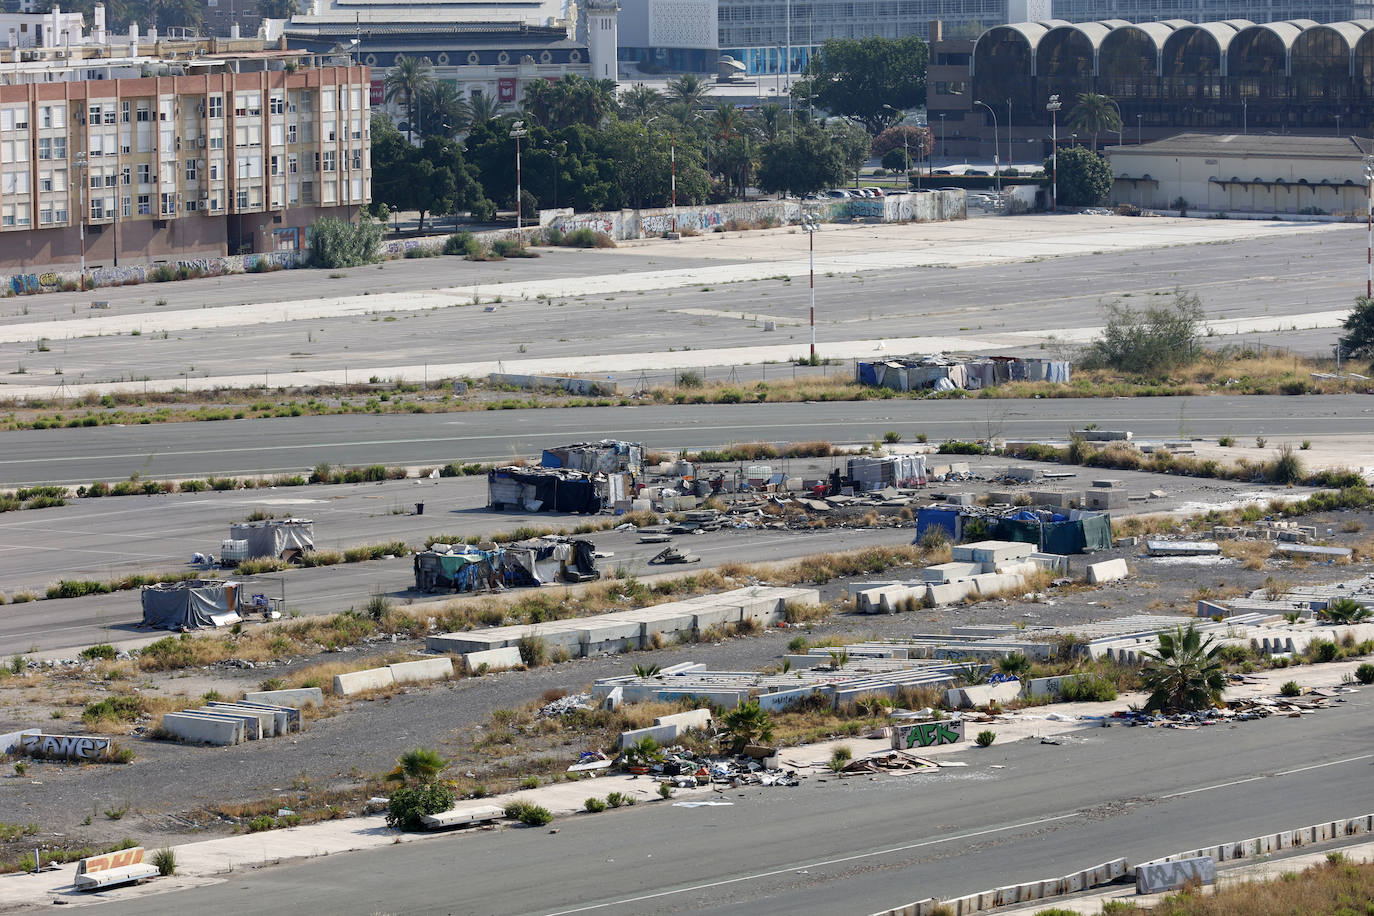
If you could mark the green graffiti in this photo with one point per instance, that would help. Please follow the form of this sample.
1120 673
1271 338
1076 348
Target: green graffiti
932 734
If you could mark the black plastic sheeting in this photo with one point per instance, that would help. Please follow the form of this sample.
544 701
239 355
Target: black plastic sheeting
556 493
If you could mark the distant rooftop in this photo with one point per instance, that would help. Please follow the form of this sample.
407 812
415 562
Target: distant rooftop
1260 145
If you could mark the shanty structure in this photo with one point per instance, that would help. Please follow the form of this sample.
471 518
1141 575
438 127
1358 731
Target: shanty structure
544 490
608 456
280 538
947 373
888 471
533 562
192 604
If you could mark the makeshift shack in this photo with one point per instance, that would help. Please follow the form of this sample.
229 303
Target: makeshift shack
888 471
1078 531
608 456
543 490
280 538
945 373
465 568
192 604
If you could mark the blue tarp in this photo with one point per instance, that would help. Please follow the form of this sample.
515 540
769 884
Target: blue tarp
867 374
931 517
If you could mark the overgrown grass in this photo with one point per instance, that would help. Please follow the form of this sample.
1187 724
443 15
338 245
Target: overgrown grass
1337 886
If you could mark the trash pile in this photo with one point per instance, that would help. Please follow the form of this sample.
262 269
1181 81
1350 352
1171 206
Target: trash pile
564 705
681 768
1245 709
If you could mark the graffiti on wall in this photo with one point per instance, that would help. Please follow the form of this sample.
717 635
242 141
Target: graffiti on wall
927 734
1158 877
66 747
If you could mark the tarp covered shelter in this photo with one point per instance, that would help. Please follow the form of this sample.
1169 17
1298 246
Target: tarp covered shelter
888 471
543 490
533 562
191 604
605 457
947 520
281 538
1082 535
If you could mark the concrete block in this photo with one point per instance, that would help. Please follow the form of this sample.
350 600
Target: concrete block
614 699
494 659
1056 499
785 699
708 617
269 726
1159 877
1104 435
355 682
982 694
1102 499
288 717
950 593
253 726
663 734
725 698
1107 571
1020 569
927 734
420 670
609 636
1182 548
941 573
1001 497
194 728
1055 563
699 719
995 552
463 817
11 742
992 583
303 696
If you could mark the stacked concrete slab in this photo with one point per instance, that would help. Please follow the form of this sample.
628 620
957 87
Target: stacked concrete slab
419 671
231 723
976 570
623 631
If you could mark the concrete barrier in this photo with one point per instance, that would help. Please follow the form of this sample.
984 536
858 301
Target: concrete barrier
1158 877
982 694
301 696
1107 571
941 573
266 719
421 670
253 724
663 734
354 682
785 699
693 718
950 593
198 729
494 659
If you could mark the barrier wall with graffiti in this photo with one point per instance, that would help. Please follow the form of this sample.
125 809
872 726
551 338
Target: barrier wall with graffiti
65 747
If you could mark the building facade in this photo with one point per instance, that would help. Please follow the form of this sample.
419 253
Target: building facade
1232 173
1295 77
178 151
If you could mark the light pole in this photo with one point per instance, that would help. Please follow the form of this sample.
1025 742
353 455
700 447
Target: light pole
1120 121
906 153
1139 130
1244 116
672 166
1369 224
1338 125
996 161
1053 107
81 198
943 151
517 130
1009 133
811 223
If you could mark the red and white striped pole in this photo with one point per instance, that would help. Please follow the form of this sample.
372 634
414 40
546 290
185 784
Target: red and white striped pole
1369 225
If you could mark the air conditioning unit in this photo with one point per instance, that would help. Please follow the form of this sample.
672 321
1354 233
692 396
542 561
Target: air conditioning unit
201 143
205 196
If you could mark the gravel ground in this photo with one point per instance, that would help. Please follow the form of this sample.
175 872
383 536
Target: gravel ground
168 783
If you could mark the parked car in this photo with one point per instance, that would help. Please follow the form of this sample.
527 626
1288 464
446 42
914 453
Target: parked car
874 192
835 192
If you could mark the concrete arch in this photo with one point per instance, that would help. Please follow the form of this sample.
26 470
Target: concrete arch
1122 51
1263 49
1005 45
1325 52
1066 61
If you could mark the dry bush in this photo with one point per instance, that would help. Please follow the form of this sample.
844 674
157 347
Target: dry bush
1252 554
1330 888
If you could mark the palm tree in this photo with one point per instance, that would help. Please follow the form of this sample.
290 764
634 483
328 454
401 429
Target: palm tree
483 108
445 111
408 78
688 89
769 117
1345 610
421 764
1093 114
746 724
1184 674
640 102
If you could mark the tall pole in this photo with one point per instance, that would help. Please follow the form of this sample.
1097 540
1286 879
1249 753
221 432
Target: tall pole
81 198
810 223
942 133
1139 130
995 159
1053 108
1008 133
788 62
672 159
1244 116
517 130
1369 225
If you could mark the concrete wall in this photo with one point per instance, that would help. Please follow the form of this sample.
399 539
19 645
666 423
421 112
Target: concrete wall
200 729
301 696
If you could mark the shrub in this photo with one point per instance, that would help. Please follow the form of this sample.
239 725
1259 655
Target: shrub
586 238
408 805
462 243
378 607
1365 673
1286 468
102 650
75 588
165 861
527 813
335 243
421 764
616 799
1087 688
594 805
840 757
1149 342
985 738
1323 650
533 651
1290 689
746 724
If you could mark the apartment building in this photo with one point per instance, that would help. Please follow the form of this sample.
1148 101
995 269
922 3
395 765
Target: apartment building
180 150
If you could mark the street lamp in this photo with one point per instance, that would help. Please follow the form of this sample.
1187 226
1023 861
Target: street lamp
1120 121
1053 107
996 160
1369 224
672 165
811 224
943 151
1139 130
517 130
1244 116
906 153
1008 133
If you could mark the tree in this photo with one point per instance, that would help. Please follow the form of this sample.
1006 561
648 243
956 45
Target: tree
1184 674
1150 342
854 144
1345 611
1093 114
801 163
336 243
768 120
434 177
408 805
442 111
746 724
1358 339
421 764
483 108
917 141
896 160
688 90
278 9
1085 178
408 78
858 77
640 102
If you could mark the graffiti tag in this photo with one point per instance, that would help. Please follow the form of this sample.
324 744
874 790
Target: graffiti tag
65 747
928 734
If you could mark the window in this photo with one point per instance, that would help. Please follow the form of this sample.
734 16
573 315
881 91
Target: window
216 106
59 148
145 204
277 133
191 206
214 171
45 216
124 111
97 208
243 199
248 103
217 138
191 170
111 179
292 163
125 207
356 130
15 183
249 134
145 114
331 131
16 214
145 173
276 105
126 176
16 118
44 148
290 133
326 100
357 99
52 116
357 160
214 203
45 181
169 204
275 165
329 160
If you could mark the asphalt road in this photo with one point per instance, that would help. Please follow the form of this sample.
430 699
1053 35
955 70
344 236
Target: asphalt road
249 447
1288 274
1018 812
